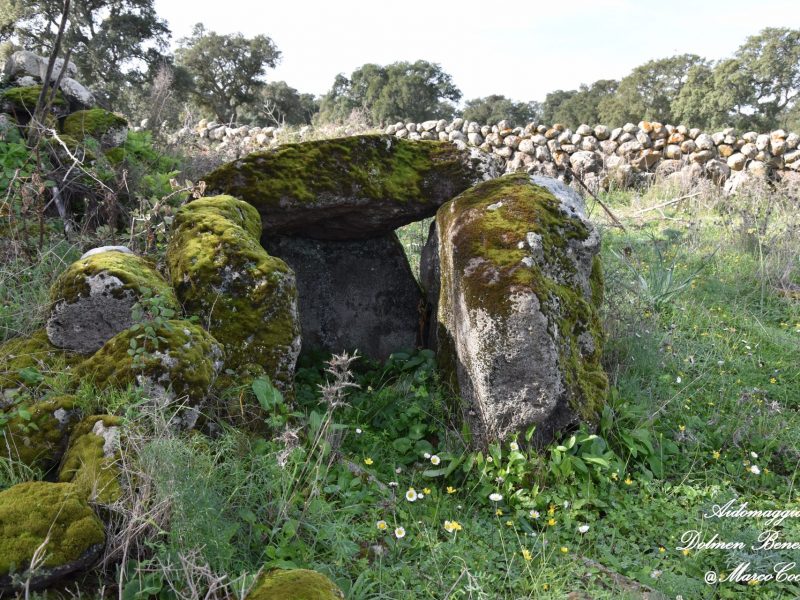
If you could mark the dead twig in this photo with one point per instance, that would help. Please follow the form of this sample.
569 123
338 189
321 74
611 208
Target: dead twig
665 204
613 217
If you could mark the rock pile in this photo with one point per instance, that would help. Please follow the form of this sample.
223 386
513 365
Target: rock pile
602 156
73 115
25 69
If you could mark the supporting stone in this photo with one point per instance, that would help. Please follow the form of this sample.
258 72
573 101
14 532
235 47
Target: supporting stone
358 294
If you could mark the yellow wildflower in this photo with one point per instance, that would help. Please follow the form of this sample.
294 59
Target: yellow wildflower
451 526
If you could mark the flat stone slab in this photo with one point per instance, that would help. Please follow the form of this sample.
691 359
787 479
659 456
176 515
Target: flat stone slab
351 188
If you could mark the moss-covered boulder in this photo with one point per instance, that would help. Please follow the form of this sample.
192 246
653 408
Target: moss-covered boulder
177 363
349 188
91 461
36 434
31 513
21 102
22 358
108 128
294 584
353 295
246 298
519 333
93 299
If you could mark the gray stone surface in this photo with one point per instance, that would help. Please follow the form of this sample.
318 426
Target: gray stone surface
503 343
77 94
88 322
353 294
101 249
430 278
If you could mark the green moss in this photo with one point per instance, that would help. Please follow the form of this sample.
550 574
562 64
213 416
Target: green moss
95 122
494 235
493 270
23 99
115 156
34 352
185 359
596 281
32 512
135 273
39 441
73 145
368 166
241 213
294 584
86 464
246 298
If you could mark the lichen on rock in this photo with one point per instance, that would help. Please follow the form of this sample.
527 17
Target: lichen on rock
93 299
519 332
33 512
38 438
294 584
246 298
351 188
180 365
91 460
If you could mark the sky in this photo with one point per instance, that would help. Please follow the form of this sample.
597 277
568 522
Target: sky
521 49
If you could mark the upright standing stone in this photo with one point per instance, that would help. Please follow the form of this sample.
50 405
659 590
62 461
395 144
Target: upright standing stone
519 332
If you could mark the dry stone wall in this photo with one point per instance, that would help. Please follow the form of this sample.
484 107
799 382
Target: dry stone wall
600 155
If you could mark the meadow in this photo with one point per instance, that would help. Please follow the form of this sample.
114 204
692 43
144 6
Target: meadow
365 477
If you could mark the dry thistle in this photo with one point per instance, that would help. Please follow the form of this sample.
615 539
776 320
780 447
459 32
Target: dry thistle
335 390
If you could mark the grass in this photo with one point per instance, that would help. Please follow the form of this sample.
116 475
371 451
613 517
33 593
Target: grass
705 367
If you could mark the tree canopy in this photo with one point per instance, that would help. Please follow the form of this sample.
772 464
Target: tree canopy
494 108
757 88
113 42
228 70
649 91
280 104
418 91
574 107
